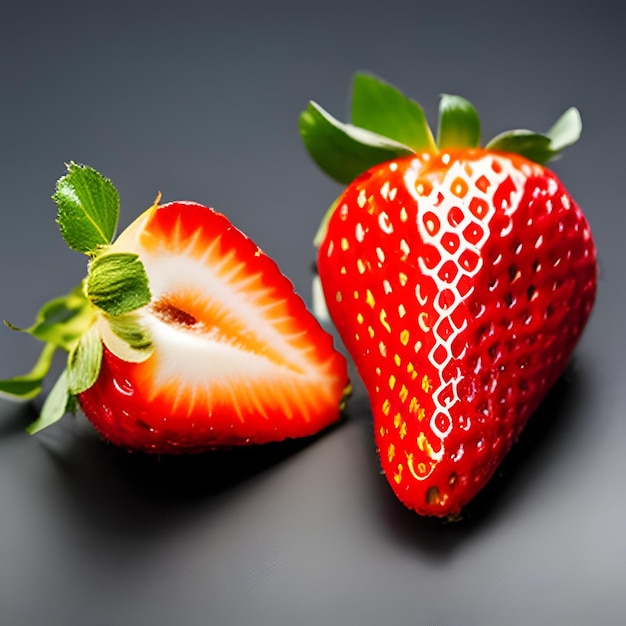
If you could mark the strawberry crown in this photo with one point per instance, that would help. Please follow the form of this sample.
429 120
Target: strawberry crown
115 288
385 124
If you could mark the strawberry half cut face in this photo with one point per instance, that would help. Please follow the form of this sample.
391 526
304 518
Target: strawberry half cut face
236 359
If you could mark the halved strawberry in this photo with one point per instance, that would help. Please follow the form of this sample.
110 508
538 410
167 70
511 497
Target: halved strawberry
185 335
460 279
237 357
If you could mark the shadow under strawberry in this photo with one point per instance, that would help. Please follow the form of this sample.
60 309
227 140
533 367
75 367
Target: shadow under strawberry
549 428
187 476
141 495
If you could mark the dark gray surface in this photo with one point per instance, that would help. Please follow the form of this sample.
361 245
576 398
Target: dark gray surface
200 101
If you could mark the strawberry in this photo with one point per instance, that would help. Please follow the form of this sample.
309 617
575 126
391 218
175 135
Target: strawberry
187 336
459 277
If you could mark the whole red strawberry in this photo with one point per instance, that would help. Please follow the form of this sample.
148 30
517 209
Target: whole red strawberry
460 279
184 336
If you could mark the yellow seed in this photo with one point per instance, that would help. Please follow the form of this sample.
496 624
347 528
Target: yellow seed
403 278
371 332
424 445
421 440
397 420
345 244
382 348
359 318
397 360
404 393
404 337
369 298
391 452
338 296
360 266
383 320
398 475
386 407
426 384
403 430
361 199
392 382
417 409
404 216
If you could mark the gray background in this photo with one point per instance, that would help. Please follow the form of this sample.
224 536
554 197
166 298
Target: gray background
200 101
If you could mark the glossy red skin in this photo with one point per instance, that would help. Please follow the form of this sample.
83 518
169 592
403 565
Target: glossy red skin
121 411
481 309
132 409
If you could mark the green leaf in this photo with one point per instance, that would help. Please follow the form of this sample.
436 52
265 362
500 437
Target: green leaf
29 385
61 321
381 108
88 208
344 151
56 405
117 283
533 146
537 147
566 130
84 361
132 332
459 124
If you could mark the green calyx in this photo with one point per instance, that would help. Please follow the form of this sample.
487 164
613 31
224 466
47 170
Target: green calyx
116 286
385 125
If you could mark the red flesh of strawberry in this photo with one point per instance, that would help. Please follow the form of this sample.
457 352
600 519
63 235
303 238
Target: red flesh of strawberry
238 359
460 283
